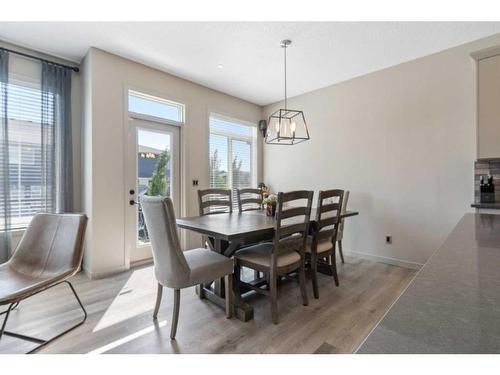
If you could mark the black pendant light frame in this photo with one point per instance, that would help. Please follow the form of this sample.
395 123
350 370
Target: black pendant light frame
287 115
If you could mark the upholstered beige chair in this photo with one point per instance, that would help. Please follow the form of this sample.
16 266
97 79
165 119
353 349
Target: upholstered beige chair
340 232
321 244
50 252
177 269
286 253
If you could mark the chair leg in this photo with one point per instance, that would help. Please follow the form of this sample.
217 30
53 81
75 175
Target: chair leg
340 251
201 291
273 278
13 308
175 315
237 278
334 266
41 342
229 295
302 281
158 301
314 274
7 313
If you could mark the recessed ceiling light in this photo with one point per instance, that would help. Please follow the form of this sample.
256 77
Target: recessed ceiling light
220 66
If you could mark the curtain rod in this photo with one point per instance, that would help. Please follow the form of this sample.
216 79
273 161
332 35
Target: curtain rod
73 68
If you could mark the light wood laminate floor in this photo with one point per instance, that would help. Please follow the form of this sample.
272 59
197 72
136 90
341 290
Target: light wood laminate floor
120 316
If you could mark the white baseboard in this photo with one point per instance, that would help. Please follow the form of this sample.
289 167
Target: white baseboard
103 274
387 260
140 263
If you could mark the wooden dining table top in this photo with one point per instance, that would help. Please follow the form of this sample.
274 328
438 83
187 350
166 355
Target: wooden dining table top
236 225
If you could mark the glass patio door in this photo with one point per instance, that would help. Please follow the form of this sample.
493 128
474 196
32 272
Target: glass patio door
152 168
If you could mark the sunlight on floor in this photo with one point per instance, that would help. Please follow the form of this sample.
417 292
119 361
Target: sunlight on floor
124 340
136 297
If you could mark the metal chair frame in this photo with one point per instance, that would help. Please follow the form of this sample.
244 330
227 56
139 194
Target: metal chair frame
39 341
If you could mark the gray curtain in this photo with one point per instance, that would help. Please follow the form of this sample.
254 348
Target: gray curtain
5 243
57 154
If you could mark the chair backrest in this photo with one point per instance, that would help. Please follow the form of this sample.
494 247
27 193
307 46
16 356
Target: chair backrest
51 246
293 215
340 231
171 267
328 214
249 199
215 201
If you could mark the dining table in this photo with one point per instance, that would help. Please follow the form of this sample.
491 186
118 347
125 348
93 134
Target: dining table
228 233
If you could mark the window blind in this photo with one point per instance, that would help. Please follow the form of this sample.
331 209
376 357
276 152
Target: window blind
28 189
231 162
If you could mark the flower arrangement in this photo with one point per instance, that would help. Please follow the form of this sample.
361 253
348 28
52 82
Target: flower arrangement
265 190
270 202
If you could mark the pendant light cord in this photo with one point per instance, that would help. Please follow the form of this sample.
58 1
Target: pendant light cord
286 107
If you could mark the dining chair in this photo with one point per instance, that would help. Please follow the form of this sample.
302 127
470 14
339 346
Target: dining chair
215 201
321 243
176 269
49 253
285 254
340 232
249 199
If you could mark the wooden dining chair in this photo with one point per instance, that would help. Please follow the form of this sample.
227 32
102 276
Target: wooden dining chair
340 232
249 199
321 243
179 269
285 254
215 201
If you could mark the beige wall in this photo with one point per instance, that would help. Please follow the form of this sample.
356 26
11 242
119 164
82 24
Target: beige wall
488 108
402 140
107 77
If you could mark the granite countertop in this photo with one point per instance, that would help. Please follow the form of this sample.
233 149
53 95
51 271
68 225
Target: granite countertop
453 304
494 206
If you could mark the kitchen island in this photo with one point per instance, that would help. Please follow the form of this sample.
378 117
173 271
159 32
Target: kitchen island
453 304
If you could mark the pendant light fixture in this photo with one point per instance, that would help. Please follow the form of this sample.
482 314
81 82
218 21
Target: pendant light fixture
286 126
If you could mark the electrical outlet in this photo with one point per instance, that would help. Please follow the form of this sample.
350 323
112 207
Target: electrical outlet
388 239
195 182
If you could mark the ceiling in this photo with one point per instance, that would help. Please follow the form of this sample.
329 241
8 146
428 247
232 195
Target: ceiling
321 53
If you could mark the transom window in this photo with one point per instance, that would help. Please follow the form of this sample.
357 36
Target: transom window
143 105
232 154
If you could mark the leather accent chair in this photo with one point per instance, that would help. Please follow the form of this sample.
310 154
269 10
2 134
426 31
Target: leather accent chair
49 253
285 254
177 269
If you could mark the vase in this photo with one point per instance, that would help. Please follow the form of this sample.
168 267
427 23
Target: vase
270 210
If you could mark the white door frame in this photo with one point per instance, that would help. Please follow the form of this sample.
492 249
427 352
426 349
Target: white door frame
134 124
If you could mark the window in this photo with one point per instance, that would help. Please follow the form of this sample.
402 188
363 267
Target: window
140 105
232 154
28 191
